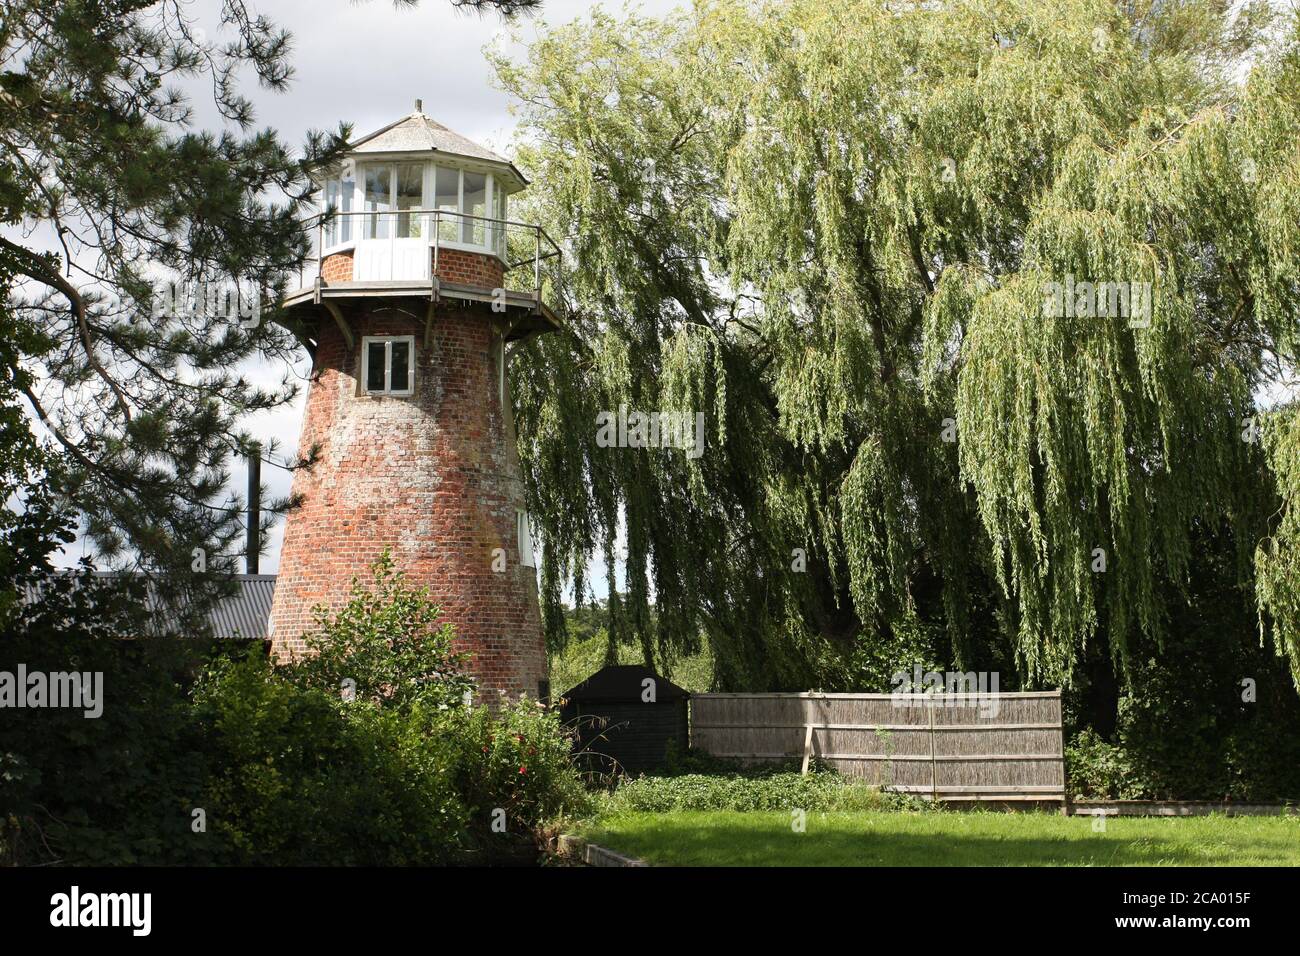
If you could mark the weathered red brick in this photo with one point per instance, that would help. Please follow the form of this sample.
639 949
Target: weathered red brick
433 477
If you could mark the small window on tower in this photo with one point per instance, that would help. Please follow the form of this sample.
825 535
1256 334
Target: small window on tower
526 558
389 364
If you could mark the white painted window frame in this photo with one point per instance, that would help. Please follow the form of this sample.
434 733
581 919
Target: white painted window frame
388 341
343 228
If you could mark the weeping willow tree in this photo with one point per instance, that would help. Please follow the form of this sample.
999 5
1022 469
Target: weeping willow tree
980 302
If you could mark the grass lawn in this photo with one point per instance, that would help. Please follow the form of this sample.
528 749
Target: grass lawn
890 838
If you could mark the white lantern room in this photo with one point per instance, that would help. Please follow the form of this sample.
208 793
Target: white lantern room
410 198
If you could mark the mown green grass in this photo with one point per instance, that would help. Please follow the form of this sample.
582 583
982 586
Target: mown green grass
893 838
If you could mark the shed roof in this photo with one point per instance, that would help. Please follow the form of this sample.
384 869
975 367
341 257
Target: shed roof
623 682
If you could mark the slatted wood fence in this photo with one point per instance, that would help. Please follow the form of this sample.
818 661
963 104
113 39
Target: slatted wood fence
998 747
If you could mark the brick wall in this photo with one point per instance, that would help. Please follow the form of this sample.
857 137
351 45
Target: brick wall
434 477
338 267
470 268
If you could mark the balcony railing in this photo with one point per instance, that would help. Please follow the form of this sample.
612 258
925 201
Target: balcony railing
392 244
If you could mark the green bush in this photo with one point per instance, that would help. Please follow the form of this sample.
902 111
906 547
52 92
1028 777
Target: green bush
116 789
386 645
1099 770
518 760
368 750
777 791
1189 735
364 754
307 779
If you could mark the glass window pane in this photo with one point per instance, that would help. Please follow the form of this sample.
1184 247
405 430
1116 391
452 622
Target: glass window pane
400 378
375 367
472 230
338 197
446 195
379 186
410 193
345 205
499 201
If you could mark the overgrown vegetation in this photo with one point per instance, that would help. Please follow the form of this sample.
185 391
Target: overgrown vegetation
820 791
367 753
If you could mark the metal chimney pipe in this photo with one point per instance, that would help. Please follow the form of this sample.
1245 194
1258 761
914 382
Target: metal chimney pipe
254 552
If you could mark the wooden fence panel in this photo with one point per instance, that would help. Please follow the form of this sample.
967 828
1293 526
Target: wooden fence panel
994 747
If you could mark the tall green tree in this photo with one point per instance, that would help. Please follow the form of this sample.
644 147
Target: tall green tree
99 156
837 228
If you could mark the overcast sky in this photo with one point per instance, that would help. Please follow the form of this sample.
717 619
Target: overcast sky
366 63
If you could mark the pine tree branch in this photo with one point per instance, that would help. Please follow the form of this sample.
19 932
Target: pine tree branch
39 271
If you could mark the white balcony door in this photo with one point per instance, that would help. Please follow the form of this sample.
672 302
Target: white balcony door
393 244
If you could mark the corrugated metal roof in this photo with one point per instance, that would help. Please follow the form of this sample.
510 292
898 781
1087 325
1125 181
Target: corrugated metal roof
247 612
242 615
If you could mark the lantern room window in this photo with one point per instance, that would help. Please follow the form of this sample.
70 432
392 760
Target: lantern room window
388 364
386 195
338 196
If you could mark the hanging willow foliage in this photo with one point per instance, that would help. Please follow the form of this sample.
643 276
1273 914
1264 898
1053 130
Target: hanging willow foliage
867 241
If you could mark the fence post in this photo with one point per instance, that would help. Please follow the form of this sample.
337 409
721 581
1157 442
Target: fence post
1060 734
934 774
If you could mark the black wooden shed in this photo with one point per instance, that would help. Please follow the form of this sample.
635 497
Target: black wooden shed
626 717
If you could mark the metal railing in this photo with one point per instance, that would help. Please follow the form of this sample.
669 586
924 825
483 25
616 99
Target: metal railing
517 244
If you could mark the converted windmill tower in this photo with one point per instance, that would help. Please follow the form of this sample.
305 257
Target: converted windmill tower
408 323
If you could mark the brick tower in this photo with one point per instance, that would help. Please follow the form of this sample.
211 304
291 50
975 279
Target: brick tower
410 324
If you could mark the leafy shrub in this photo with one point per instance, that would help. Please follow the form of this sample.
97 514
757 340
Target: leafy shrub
367 751
678 762
1188 736
110 790
776 791
387 643
518 759
1100 770
308 779
285 767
